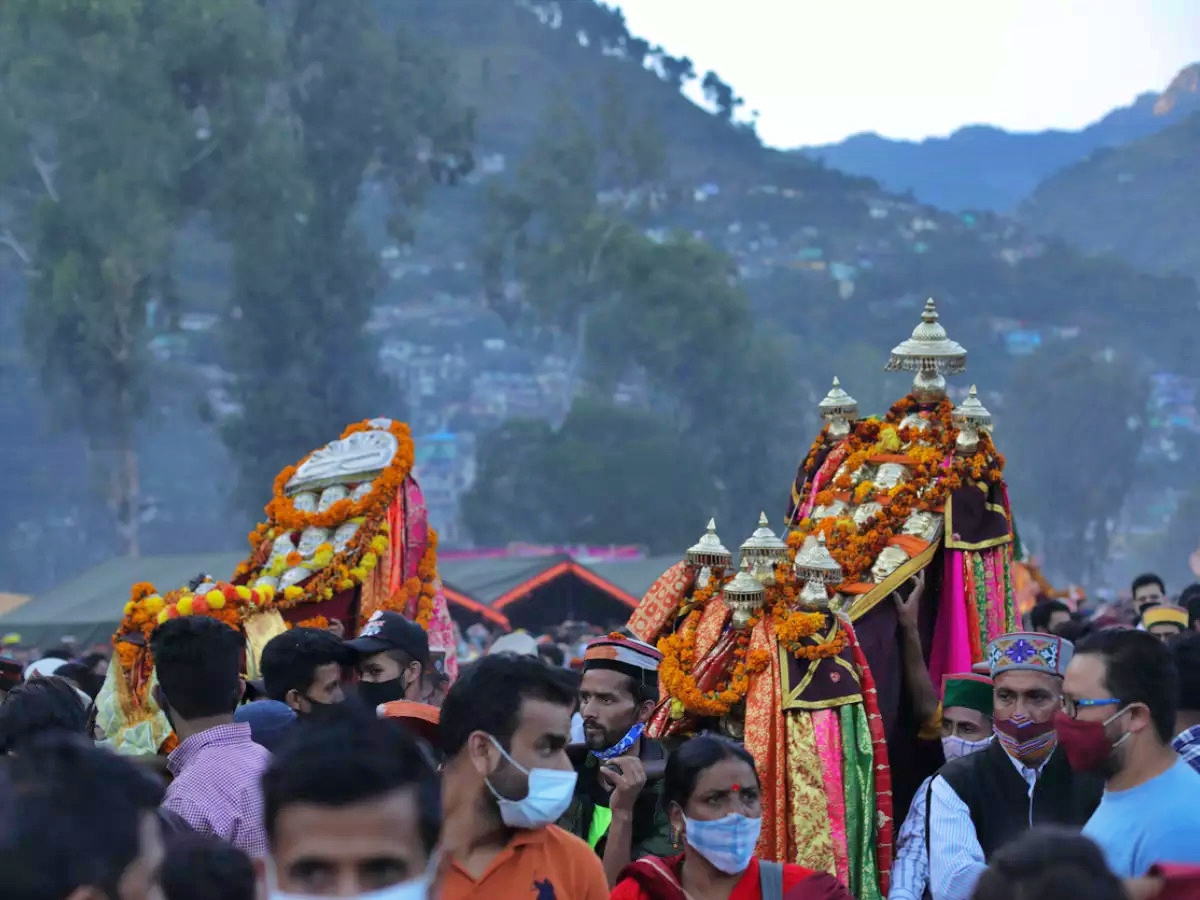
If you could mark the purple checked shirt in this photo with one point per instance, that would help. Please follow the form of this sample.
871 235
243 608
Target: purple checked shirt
216 788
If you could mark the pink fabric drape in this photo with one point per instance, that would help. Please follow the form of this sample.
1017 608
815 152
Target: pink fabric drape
828 729
951 651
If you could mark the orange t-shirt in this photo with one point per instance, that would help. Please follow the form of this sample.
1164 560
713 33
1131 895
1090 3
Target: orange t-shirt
542 864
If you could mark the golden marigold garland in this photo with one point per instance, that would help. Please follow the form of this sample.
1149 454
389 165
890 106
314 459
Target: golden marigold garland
679 657
319 622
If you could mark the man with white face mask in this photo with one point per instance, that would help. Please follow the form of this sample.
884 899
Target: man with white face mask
507 778
352 810
966 729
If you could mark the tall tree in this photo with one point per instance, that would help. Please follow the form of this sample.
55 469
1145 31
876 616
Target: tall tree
1072 459
101 143
359 108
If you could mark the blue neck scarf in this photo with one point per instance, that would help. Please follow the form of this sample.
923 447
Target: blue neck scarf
621 747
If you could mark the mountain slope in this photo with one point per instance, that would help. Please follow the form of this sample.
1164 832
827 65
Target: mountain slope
981 167
1140 202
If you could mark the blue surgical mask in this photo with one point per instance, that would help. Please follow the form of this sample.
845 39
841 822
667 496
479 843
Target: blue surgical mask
953 746
728 843
550 793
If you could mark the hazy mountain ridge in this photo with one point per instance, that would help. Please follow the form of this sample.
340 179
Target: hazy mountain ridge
984 167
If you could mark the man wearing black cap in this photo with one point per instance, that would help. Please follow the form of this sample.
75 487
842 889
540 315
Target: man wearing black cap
393 654
616 807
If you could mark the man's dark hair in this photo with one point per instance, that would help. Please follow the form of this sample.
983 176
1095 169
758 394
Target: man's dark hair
1138 668
290 660
1148 578
83 678
1047 863
91 659
59 652
1077 629
1185 650
40 706
352 758
203 867
488 693
1039 617
69 818
552 654
1189 599
198 661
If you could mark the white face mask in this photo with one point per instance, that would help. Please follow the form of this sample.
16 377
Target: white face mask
550 793
953 746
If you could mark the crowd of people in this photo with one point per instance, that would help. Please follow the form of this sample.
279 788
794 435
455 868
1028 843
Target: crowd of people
354 768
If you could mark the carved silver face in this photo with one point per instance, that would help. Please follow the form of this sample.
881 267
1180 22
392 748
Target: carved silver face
865 512
305 501
282 545
332 495
293 576
921 525
835 509
311 539
889 475
888 561
267 581
343 534
914 421
362 490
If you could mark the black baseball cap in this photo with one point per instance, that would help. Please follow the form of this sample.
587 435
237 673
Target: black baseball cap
391 631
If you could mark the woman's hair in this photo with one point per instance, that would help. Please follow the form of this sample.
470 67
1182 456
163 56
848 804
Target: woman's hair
693 757
1048 863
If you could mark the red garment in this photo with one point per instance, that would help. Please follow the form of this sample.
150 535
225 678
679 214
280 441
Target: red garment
1180 882
656 878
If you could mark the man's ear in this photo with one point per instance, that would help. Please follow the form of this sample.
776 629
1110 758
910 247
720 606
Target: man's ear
292 699
482 753
262 884
160 698
646 710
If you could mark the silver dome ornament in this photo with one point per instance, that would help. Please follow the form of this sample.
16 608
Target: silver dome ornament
762 546
839 409
970 417
744 596
931 355
709 552
814 562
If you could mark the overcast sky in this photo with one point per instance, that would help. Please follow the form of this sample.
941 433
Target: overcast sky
820 70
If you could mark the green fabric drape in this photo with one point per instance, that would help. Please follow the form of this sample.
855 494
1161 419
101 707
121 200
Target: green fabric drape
858 777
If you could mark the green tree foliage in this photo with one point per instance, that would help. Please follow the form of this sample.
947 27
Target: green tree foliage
1072 441
568 251
102 144
364 109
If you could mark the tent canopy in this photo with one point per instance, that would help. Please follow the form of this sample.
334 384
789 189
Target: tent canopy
530 591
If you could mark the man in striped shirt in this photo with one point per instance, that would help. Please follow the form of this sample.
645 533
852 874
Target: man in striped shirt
1186 651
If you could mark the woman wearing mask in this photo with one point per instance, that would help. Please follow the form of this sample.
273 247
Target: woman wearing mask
712 795
966 728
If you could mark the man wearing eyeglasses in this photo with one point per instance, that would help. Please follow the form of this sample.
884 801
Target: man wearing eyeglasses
1119 702
980 802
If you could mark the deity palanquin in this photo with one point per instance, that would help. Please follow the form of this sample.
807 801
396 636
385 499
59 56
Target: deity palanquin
346 535
786 653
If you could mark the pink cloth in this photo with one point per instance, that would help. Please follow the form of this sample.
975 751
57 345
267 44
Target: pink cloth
951 651
828 728
993 568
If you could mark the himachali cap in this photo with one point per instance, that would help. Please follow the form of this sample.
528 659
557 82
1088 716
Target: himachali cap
626 655
1166 615
1029 651
970 691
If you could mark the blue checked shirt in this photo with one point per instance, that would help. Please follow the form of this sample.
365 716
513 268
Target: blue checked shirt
910 869
1187 745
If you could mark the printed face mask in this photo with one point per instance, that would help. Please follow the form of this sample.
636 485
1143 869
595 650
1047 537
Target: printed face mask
728 843
953 746
1025 740
550 793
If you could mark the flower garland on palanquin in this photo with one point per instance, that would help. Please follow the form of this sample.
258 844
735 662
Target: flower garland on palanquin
337 571
935 473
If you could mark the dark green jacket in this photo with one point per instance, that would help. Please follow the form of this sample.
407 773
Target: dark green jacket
651 828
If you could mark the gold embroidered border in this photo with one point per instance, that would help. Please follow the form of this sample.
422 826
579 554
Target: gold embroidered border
864 603
791 695
982 545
